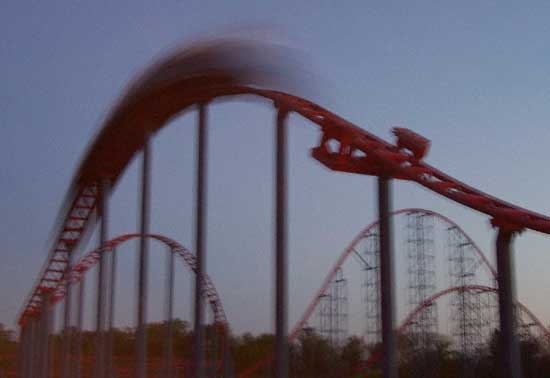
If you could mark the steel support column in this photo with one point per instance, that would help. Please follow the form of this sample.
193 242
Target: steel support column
28 349
38 349
67 352
79 323
44 351
51 343
33 363
23 352
141 335
19 353
100 304
509 357
112 287
281 282
227 361
200 214
168 346
389 367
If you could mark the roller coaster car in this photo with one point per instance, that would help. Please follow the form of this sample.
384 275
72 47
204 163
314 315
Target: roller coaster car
409 140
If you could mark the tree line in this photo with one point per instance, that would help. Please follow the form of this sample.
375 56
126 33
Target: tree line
310 355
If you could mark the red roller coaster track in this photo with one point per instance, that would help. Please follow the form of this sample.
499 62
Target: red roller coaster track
341 260
349 250
185 79
89 260
478 288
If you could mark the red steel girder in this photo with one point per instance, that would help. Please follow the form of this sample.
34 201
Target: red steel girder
90 259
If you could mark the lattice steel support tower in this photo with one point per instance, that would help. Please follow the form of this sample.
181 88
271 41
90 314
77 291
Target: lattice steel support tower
371 288
466 306
333 311
473 313
422 285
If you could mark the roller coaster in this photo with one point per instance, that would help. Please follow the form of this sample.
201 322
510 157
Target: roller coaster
195 78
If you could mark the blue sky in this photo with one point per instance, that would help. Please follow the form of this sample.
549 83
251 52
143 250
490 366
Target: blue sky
471 77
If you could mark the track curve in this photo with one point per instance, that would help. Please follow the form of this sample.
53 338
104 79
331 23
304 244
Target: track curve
298 326
90 259
349 250
479 288
189 77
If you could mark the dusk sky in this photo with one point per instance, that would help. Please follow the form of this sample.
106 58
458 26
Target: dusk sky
474 79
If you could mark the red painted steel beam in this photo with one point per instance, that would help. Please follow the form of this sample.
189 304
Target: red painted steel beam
89 260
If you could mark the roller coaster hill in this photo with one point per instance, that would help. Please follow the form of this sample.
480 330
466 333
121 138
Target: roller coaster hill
489 326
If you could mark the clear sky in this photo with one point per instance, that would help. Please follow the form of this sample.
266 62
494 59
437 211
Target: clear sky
474 78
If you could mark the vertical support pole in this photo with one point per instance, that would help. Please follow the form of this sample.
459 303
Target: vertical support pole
51 343
389 366
213 335
33 360
31 341
20 346
79 323
112 287
44 351
29 348
43 348
38 350
510 358
22 354
100 309
227 361
37 369
67 352
168 347
281 282
200 214
141 336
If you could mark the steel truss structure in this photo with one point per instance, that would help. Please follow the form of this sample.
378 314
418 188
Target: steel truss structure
489 292
422 285
74 364
333 311
366 238
473 312
371 288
